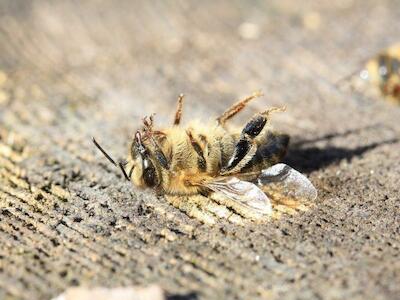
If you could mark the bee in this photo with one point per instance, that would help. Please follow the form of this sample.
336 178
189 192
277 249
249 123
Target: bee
211 171
383 71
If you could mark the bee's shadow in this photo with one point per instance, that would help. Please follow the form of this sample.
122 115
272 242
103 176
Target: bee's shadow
306 157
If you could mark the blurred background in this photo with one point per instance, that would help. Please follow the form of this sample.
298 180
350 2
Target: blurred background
133 58
70 70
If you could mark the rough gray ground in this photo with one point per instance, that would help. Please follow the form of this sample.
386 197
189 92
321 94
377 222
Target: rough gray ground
70 70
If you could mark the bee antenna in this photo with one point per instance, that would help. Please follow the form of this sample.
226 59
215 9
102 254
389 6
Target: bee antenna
121 164
104 152
122 167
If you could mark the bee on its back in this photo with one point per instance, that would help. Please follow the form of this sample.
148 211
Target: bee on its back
210 160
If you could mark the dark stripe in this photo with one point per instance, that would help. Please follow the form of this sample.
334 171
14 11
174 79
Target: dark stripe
241 149
201 162
162 159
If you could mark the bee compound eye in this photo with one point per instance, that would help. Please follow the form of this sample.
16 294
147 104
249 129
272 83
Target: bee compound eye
149 174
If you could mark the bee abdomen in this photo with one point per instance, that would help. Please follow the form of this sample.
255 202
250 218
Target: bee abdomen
270 151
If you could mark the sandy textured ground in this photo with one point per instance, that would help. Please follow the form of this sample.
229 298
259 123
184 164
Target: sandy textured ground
71 70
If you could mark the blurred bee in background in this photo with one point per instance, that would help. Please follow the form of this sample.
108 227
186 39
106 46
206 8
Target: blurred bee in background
383 73
210 171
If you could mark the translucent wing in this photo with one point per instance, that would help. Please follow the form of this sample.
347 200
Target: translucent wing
287 182
245 196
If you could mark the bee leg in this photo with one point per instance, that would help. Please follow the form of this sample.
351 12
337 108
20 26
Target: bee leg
178 113
245 148
237 107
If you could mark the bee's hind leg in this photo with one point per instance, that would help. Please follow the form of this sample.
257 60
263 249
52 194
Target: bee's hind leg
245 148
236 108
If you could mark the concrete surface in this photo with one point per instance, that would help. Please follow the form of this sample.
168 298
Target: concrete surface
75 69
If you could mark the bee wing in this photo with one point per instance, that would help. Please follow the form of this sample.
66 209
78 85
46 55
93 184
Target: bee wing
285 180
244 195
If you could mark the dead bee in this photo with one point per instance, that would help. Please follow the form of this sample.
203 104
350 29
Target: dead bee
383 71
208 170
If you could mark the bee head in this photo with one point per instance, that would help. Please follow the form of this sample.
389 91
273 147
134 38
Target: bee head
141 168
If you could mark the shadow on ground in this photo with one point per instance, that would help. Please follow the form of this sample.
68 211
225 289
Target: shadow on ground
306 157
